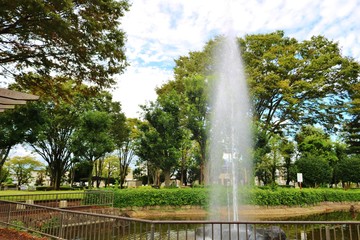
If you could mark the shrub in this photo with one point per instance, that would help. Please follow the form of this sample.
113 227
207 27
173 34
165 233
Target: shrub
44 188
141 197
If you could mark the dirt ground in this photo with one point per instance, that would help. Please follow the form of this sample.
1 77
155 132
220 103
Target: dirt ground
249 212
11 234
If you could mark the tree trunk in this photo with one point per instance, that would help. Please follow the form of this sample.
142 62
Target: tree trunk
90 182
4 153
57 180
167 177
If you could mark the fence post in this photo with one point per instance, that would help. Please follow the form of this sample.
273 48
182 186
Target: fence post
61 230
152 231
8 217
327 233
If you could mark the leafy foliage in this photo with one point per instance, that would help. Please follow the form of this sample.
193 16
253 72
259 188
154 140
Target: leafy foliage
163 197
142 197
315 170
77 38
348 169
23 167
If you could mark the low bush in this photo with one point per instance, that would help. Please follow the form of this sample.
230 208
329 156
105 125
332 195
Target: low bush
256 196
44 188
160 197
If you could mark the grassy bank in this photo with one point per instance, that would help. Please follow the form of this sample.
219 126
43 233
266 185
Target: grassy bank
142 197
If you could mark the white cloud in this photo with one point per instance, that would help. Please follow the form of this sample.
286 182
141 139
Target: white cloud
137 86
160 31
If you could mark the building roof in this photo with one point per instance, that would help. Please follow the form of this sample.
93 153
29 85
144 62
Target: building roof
10 98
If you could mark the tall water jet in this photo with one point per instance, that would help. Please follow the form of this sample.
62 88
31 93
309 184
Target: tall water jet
230 160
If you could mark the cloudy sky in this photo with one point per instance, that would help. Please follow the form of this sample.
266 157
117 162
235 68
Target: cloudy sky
160 31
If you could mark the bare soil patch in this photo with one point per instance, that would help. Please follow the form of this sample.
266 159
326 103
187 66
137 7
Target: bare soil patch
12 234
249 212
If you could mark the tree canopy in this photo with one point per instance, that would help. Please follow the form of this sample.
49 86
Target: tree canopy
292 84
73 38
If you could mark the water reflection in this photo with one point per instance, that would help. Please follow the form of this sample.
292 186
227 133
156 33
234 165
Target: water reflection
329 216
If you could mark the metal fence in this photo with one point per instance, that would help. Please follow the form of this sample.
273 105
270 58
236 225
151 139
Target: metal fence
58 223
65 200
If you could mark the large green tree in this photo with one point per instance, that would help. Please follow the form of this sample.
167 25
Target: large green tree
91 140
125 144
316 170
60 107
74 38
52 141
348 170
14 128
101 129
162 136
192 90
293 83
22 168
352 128
313 144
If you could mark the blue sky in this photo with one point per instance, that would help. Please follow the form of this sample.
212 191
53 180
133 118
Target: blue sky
160 31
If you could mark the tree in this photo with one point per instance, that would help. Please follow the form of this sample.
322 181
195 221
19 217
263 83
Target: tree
314 141
78 39
348 170
53 140
294 83
101 131
111 169
4 176
14 128
146 150
22 168
51 131
125 146
352 128
288 151
192 90
82 171
40 178
162 137
315 170
315 145
91 140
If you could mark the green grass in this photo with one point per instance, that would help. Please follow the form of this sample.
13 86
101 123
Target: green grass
24 192
14 195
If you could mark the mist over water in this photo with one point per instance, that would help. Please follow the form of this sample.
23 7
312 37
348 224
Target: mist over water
230 160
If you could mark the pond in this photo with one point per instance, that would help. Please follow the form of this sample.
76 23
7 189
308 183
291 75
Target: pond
182 229
329 216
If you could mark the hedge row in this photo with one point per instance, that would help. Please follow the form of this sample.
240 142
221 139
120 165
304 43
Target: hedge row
159 197
200 197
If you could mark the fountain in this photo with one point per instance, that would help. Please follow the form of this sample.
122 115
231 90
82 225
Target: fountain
230 160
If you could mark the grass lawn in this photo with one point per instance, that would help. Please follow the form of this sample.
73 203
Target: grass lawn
23 195
25 192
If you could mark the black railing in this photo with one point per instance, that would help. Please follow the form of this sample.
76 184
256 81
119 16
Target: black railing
58 223
65 200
